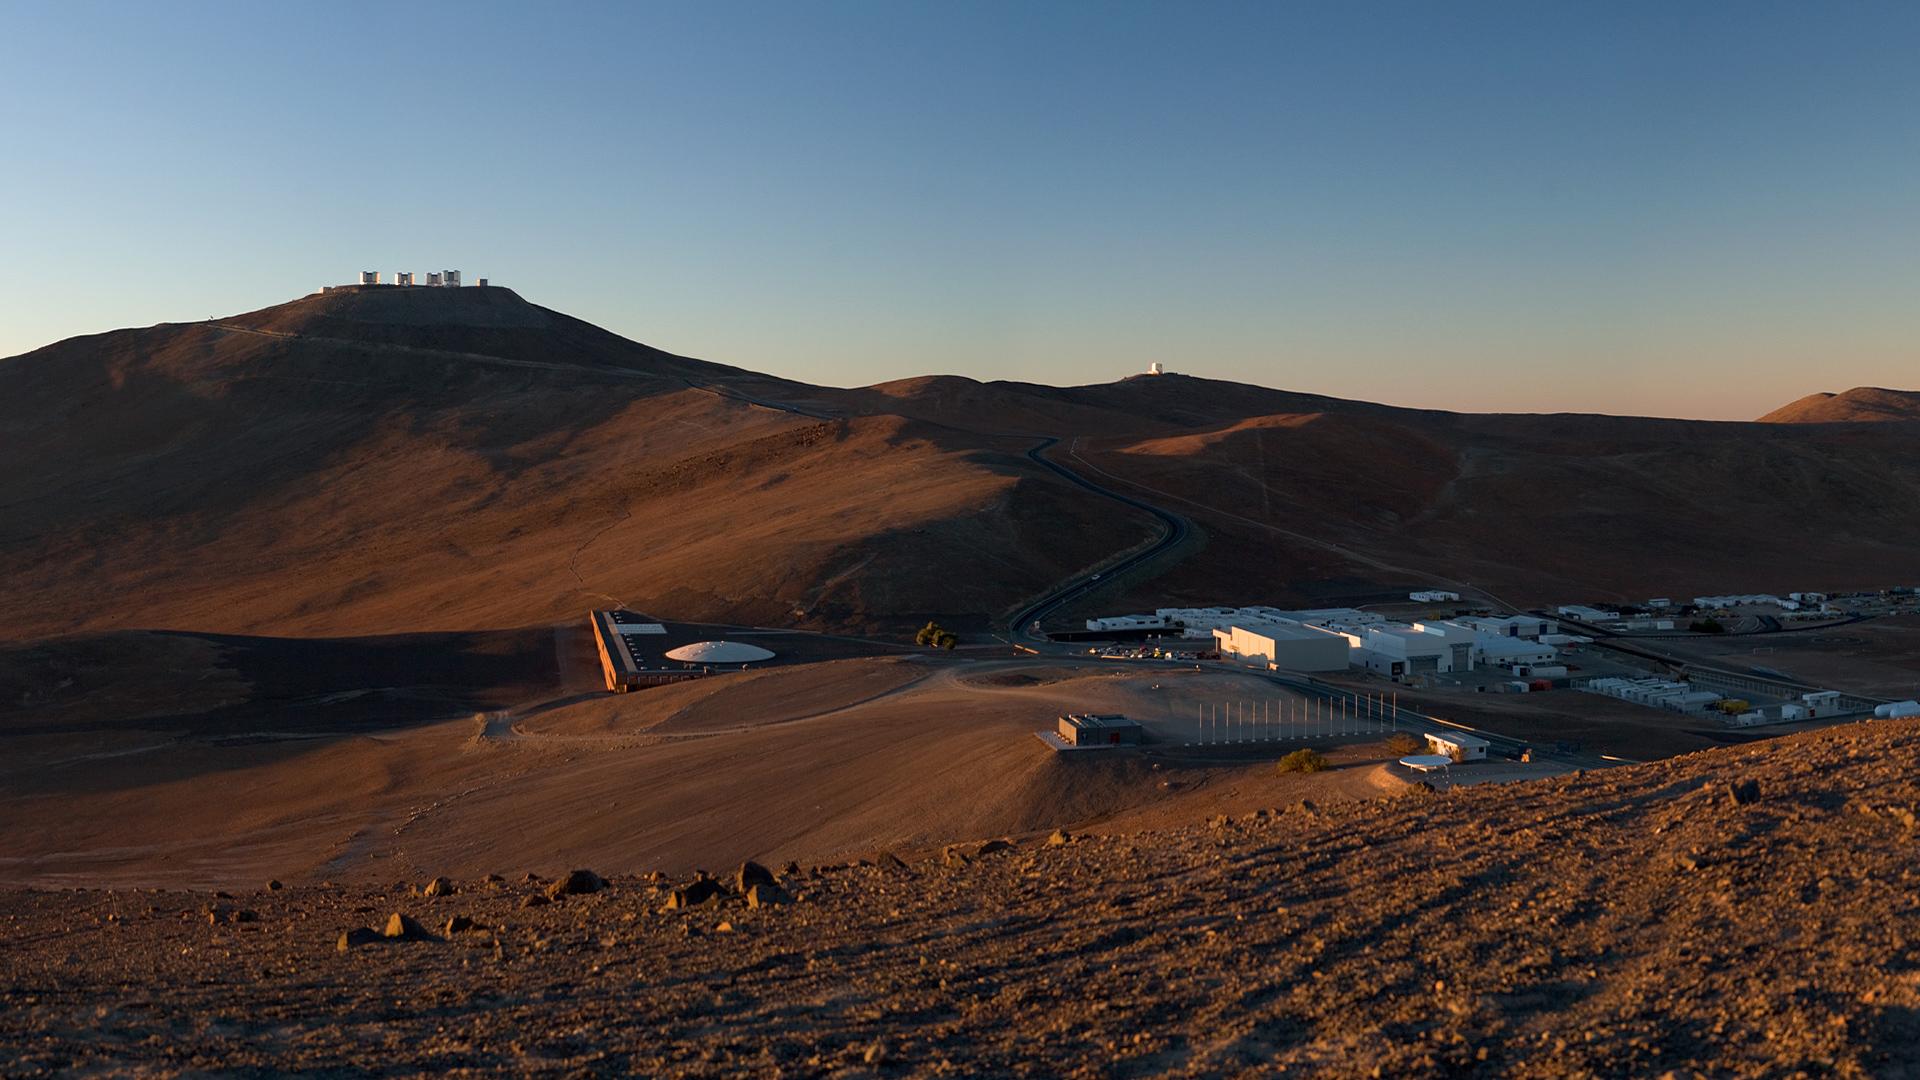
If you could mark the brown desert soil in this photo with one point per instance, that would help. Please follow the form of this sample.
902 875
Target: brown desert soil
1736 912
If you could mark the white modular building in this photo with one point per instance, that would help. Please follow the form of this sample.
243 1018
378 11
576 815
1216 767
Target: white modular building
1741 600
1284 645
1337 618
1433 596
1586 614
1127 622
1458 745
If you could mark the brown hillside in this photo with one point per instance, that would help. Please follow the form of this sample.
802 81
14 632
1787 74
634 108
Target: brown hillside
442 459
1740 912
392 460
1862 403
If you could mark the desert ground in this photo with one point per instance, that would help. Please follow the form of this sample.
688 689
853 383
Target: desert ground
341 761
1736 912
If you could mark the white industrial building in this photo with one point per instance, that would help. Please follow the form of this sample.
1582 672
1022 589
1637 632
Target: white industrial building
1433 596
1285 645
1397 650
1509 652
1530 627
369 277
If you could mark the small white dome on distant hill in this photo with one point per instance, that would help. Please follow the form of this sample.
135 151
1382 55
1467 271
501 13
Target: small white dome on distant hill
719 652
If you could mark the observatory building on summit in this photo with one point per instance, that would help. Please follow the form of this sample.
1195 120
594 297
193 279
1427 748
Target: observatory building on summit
405 279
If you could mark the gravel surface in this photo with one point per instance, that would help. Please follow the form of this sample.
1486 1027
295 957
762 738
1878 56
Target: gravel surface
1747 911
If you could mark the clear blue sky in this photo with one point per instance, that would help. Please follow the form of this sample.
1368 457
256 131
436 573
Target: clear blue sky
1667 208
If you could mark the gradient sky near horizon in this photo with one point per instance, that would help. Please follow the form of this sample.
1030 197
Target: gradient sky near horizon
1677 209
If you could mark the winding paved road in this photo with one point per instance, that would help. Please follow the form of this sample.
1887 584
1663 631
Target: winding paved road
1023 625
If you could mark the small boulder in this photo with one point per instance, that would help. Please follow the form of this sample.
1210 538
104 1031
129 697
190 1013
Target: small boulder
577 883
751 874
704 890
355 938
274 885
438 887
1744 792
459 924
792 869
760 896
887 860
992 847
405 928
1060 838
952 855
535 900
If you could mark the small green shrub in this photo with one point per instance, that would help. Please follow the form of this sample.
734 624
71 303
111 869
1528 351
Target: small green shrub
1303 761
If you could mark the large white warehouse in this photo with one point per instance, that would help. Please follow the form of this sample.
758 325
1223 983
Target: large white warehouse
1283 644
1397 650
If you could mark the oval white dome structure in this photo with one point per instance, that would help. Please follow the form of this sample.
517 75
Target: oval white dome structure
719 652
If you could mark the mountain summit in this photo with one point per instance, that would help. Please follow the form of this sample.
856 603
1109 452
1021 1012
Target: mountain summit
1862 403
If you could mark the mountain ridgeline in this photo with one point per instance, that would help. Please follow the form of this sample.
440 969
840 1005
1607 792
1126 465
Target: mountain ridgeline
391 460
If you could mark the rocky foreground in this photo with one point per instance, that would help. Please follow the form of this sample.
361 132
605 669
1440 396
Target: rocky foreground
1738 912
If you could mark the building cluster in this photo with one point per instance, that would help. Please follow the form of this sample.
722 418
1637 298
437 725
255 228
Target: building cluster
1333 639
435 279
1684 697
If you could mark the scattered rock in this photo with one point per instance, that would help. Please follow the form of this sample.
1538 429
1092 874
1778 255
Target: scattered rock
792 869
992 847
724 928
438 887
887 860
405 928
704 890
1060 838
274 885
577 883
459 924
493 879
1744 792
356 937
767 896
751 874
951 855
535 900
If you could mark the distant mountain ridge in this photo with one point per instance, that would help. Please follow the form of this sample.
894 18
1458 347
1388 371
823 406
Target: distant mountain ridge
393 460
1862 403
